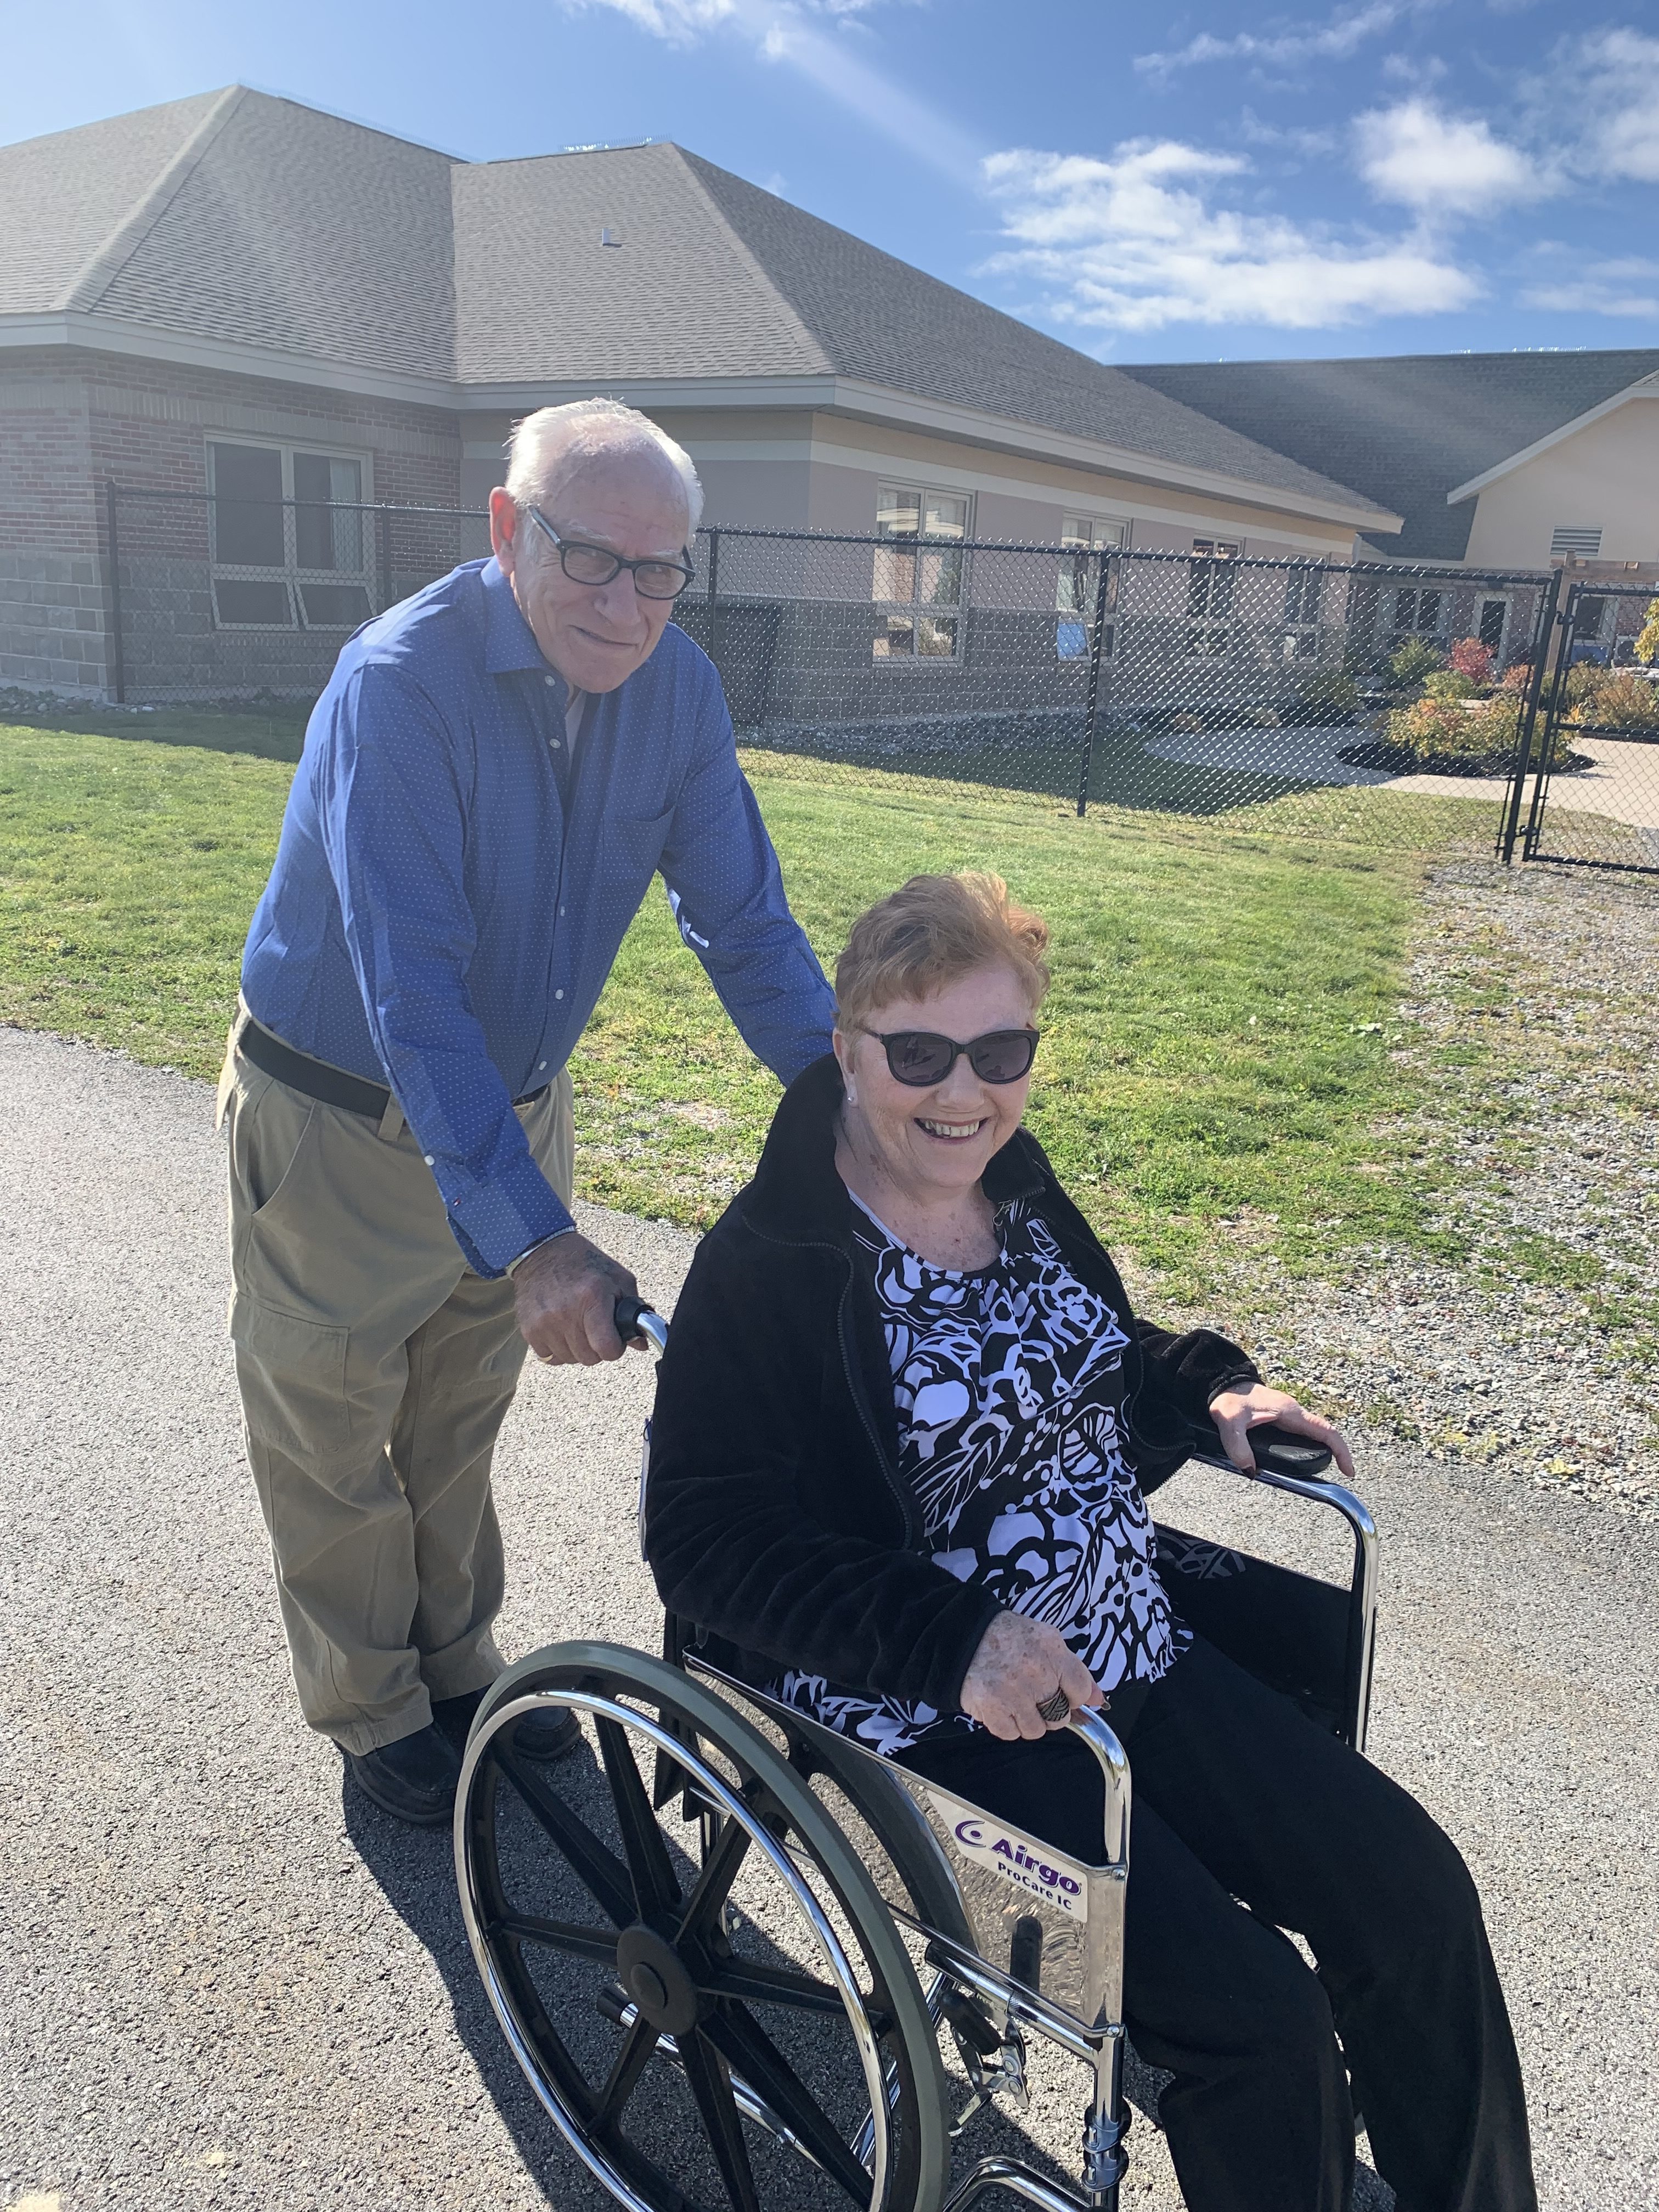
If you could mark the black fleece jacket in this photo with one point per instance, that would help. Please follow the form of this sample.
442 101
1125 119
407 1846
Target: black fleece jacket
777 1519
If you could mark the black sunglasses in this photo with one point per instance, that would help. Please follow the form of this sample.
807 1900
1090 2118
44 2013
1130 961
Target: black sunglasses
921 1057
597 564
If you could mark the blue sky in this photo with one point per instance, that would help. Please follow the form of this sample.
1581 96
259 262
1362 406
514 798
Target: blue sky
1386 176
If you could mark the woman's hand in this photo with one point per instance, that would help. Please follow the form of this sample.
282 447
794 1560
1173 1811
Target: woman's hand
1019 1664
1237 1411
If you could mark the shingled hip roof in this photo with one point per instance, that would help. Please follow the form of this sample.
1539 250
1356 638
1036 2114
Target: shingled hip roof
237 220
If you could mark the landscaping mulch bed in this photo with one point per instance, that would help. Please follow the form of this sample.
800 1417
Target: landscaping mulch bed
1399 760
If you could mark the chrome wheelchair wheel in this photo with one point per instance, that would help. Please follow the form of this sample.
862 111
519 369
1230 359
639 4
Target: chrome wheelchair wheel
692 1967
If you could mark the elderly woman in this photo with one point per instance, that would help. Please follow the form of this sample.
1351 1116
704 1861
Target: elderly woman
902 1439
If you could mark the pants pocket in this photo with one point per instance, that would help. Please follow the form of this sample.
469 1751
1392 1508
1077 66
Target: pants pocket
292 1375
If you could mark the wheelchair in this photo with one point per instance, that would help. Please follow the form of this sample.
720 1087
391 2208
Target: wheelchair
727 1948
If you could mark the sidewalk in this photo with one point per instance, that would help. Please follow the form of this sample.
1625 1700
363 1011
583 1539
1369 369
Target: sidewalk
225 1983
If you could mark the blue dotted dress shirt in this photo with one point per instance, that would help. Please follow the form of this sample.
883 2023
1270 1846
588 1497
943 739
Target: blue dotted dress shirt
440 918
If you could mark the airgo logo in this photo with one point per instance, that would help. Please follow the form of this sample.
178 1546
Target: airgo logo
1030 1867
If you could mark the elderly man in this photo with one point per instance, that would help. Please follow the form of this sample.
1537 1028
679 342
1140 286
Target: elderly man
493 773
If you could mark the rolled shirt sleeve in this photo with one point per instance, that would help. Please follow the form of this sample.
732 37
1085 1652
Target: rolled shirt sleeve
393 816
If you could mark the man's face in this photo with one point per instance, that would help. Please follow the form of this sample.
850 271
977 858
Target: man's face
595 635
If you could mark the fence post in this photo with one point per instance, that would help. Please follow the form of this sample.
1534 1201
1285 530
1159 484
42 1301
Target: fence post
118 669
712 594
1557 663
1096 640
1543 643
383 557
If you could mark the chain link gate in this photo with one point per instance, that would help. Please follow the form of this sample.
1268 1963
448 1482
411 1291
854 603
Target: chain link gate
1590 749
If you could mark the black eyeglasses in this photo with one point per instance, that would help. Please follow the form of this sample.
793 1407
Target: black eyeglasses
595 564
921 1057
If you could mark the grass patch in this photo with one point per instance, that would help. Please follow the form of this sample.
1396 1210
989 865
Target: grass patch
1215 1079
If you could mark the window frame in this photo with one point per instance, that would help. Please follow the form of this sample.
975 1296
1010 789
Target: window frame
1210 629
1398 631
1081 537
1304 581
290 572
1506 601
917 609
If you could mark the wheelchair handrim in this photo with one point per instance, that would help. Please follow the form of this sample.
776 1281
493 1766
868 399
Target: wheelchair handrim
708 1780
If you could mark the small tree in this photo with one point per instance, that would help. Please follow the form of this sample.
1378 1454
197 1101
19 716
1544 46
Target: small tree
1412 659
1647 643
1471 659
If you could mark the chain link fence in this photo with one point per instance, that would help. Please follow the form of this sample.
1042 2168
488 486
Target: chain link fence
1289 697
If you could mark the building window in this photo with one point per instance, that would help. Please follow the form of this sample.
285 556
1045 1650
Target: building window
1079 583
1494 621
287 539
1303 588
1576 538
1210 579
1417 614
918 587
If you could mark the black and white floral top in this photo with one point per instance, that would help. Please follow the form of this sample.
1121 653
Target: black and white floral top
1008 1382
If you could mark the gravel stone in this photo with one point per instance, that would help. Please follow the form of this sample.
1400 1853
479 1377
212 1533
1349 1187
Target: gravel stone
227 1981
1544 1144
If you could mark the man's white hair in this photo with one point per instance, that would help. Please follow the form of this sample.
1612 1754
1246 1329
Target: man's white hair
549 448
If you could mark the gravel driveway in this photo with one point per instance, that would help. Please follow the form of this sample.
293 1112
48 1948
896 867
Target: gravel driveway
226 1982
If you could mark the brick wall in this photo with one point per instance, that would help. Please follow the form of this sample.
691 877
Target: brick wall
72 423
52 612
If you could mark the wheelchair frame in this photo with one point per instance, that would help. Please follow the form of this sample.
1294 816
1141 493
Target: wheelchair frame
1020 1939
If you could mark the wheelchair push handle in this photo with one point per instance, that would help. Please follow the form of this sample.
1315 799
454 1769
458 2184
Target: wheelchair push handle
636 1317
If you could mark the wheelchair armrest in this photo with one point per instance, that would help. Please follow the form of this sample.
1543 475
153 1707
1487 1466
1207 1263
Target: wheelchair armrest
1287 1461
1278 1451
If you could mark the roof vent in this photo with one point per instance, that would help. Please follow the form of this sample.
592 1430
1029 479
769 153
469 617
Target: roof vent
610 238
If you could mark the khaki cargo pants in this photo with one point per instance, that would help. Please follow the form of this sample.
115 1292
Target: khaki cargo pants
375 1371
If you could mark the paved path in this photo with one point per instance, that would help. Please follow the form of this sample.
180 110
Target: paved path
226 1982
1621 783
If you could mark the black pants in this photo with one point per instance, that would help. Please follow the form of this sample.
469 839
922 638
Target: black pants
1238 1797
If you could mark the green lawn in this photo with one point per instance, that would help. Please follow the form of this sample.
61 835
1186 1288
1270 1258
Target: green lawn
1216 1074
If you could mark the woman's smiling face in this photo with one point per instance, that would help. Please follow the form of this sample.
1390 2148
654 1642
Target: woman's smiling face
934 1144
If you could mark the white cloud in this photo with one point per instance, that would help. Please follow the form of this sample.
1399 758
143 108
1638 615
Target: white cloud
1442 164
1254 133
1133 243
1611 84
679 21
1602 288
1333 40
795 31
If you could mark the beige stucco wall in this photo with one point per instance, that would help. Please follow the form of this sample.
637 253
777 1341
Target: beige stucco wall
777 469
1605 475
1022 498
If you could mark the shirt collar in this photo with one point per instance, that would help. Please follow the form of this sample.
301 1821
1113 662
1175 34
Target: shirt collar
509 642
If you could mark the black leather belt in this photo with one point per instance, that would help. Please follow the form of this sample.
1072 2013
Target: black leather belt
333 1086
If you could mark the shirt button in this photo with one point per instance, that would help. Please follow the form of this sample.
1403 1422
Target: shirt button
541 1067
426 1157
558 994
561 909
547 679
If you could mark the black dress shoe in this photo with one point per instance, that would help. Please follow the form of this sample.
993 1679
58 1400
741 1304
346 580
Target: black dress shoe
542 1737
414 1778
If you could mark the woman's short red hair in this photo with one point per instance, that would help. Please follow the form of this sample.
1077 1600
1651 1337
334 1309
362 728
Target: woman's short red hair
928 935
